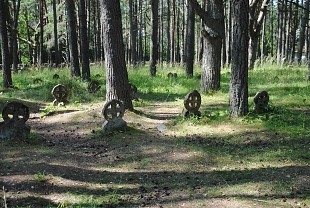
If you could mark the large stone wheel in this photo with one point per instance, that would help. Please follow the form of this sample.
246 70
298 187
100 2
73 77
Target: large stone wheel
15 111
192 101
261 99
113 109
60 93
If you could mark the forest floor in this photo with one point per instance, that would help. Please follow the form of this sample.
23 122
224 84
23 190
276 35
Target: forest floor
160 159
70 162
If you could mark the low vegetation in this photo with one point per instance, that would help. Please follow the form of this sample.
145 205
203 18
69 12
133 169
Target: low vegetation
215 161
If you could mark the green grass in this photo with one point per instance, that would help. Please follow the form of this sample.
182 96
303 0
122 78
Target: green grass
257 157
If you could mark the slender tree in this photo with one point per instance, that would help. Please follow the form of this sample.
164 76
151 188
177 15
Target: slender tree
238 98
73 45
302 34
84 41
6 68
41 40
56 46
16 6
117 86
190 40
258 10
133 32
168 33
154 37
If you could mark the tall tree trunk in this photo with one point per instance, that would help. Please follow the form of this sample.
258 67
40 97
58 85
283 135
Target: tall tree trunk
302 36
173 38
133 32
256 20
73 43
84 41
154 34
6 68
280 26
41 40
98 35
289 32
117 86
238 98
28 36
140 31
190 40
56 46
16 6
168 33
213 36
295 25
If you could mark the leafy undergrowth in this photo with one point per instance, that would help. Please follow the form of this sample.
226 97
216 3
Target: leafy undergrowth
214 161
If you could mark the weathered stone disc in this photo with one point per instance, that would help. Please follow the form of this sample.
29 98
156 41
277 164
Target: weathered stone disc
170 75
93 86
15 111
56 76
192 101
261 99
113 109
60 93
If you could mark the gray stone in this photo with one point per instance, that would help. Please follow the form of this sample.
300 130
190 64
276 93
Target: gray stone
14 130
113 124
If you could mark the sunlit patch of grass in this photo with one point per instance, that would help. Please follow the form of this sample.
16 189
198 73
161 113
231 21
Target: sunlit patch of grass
42 177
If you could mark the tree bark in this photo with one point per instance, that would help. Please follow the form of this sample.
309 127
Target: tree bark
168 33
213 34
239 64
41 40
117 86
190 40
15 34
302 37
258 10
84 41
154 34
56 46
133 33
73 44
6 68
280 26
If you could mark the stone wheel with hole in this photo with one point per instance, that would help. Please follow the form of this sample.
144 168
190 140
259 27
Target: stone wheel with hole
261 99
170 75
15 111
192 101
93 86
113 109
60 93
56 76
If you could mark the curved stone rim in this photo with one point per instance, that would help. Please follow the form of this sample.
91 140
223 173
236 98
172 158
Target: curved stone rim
259 96
191 98
19 112
56 95
113 109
